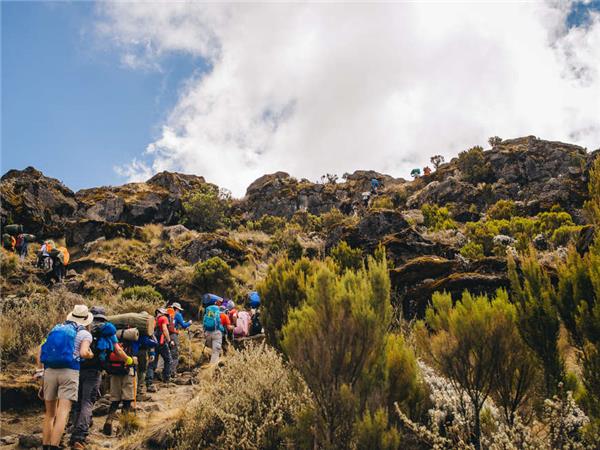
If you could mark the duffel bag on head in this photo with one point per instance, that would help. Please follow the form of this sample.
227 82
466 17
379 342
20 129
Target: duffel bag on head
210 299
254 299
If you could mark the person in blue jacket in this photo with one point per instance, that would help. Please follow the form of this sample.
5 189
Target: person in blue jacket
179 324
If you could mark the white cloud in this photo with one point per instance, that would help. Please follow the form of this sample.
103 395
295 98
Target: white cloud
315 88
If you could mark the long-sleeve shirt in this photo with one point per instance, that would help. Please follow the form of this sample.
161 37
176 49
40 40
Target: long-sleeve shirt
180 323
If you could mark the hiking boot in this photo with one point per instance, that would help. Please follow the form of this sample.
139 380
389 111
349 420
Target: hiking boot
107 429
151 388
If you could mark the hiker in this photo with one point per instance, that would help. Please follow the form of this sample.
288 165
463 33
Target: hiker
44 259
90 376
21 246
213 328
146 355
426 171
178 324
8 242
374 185
60 259
163 349
242 323
60 356
121 368
255 324
366 196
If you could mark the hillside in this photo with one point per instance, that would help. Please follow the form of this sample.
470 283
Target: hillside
457 228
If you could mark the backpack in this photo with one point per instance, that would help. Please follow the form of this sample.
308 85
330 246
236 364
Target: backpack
242 325
114 365
254 299
20 241
171 317
255 326
59 348
212 319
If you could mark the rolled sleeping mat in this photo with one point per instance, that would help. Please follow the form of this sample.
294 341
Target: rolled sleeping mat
254 299
129 334
210 299
143 321
13 229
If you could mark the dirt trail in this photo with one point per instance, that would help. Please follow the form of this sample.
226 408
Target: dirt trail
165 403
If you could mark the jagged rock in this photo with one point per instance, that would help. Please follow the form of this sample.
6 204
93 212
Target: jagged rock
208 245
466 215
409 243
503 240
40 203
169 233
82 232
30 441
450 190
421 268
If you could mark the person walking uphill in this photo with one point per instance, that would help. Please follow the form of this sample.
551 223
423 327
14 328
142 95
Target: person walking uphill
178 324
163 349
213 331
61 354
121 368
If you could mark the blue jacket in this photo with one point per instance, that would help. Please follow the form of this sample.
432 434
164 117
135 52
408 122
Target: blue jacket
179 322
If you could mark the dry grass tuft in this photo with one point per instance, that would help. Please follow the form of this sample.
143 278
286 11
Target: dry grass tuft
129 423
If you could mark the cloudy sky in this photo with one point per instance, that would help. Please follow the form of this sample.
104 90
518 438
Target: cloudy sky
112 92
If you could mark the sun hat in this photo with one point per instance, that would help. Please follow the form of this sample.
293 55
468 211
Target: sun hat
176 305
160 311
80 315
99 313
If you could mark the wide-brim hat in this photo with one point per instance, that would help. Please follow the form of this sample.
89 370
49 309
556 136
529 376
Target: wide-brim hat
160 311
99 313
177 306
81 315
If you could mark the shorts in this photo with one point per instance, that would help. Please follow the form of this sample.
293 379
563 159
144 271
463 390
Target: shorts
62 384
121 387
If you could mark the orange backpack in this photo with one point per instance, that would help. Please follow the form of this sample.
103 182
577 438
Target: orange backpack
66 256
171 326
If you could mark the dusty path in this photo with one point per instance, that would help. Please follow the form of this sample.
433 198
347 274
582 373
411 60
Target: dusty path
165 403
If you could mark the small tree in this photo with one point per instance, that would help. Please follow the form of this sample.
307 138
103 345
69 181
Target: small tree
334 337
538 318
437 161
494 141
437 218
213 275
346 257
473 166
205 208
283 288
469 344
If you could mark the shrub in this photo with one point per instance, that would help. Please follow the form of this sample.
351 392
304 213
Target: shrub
437 218
151 232
253 398
346 257
270 224
129 423
26 321
334 218
437 161
382 203
138 299
473 166
307 221
205 208
471 343
213 275
592 206
494 141
548 222
502 209
483 232
352 312
9 263
283 288
472 250
295 250
372 432
565 234
538 319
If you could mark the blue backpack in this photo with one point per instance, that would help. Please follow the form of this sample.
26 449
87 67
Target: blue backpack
212 318
254 299
59 348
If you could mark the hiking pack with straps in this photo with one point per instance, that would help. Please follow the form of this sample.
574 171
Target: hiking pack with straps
212 318
101 346
255 326
58 352
114 365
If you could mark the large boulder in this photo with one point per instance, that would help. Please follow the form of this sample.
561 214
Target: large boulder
81 232
208 245
41 204
159 200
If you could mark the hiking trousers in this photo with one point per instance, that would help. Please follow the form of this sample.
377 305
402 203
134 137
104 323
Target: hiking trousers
163 351
174 354
89 392
214 340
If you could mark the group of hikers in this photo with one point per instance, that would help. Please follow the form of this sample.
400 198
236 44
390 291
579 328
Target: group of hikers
52 258
76 353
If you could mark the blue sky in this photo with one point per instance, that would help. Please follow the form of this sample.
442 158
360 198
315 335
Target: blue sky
305 88
69 107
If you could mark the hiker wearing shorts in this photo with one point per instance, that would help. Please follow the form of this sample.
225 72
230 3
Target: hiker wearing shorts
121 368
61 354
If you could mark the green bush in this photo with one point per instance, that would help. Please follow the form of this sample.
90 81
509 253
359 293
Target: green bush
473 166
307 221
592 206
213 275
502 209
205 208
472 250
437 218
346 257
565 234
270 224
333 219
295 250
373 432
9 263
138 299
548 222
382 203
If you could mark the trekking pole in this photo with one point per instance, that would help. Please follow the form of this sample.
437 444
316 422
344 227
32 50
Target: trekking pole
134 391
191 355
